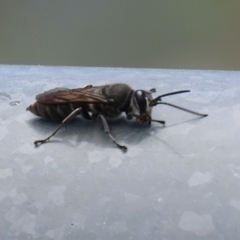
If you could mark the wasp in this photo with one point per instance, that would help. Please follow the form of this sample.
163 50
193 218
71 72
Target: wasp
103 102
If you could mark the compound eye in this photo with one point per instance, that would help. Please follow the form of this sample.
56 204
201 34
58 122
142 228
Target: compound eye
141 100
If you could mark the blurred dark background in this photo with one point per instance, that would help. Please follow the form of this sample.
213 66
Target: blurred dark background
188 34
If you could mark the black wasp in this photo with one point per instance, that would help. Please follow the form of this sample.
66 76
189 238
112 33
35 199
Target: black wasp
107 101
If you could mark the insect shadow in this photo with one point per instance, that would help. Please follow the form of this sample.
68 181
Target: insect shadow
92 131
82 130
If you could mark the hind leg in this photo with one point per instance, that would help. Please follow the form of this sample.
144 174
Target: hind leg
65 121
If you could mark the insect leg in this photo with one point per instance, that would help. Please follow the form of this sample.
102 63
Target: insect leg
106 130
152 90
152 120
67 119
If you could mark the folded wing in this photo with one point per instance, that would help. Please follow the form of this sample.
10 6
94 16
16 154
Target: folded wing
65 95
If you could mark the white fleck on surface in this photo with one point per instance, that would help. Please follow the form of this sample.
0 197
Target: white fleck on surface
198 97
132 198
114 162
12 215
40 204
201 225
3 132
95 157
13 193
18 198
4 173
14 103
57 195
78 220
55 233
199 178
73 139
134 151
26 223
116 159
236 175
2 195
117 228
5 96
184 130
29 148
83 144
27 168
48 159
103 200
236 114
235 203
21 118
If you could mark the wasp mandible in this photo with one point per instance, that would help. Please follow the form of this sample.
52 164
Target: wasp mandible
107 101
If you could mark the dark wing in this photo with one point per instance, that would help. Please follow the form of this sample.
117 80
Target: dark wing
87 94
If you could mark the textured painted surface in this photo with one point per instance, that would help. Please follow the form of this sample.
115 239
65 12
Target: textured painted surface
175 182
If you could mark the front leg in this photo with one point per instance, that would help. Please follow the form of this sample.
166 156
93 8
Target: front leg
131 115
107 131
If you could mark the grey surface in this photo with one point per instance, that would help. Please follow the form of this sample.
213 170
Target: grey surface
177 182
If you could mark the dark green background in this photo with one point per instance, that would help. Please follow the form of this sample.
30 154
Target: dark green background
199 34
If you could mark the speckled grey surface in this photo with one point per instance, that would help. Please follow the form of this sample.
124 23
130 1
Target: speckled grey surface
181 181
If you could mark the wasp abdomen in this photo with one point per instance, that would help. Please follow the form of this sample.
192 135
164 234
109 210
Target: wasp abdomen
52 111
